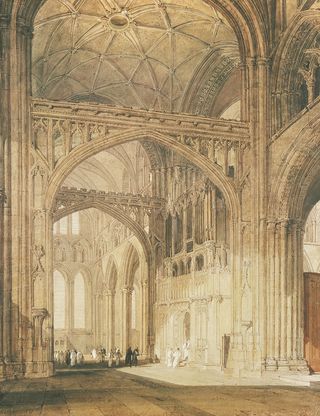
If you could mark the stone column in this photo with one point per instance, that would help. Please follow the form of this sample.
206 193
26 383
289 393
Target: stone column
125 318
27 266
5 286
285 297
144 317
271 363
110 319
244 92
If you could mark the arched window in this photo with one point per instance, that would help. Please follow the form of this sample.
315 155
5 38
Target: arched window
181 268
174 270
189 220
199 263
75 221
79 302
168 235
59 291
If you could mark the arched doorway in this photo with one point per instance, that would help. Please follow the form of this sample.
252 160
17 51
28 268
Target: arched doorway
108 238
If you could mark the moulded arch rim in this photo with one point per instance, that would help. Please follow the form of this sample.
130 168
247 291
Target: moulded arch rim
64 271
306 259
112 262
294 202
284 46
89 149
85 272
130 253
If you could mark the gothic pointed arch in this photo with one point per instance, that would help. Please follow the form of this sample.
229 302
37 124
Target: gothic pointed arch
112 273
80 154
119 215
297 188
130 265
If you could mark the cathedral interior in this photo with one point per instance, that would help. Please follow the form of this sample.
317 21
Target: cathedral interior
160 182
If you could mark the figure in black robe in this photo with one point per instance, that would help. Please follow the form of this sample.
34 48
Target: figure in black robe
135 355
128 360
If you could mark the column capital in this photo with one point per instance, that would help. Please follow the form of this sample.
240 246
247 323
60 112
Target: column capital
24 28
145 283
127 290
39 313
263 61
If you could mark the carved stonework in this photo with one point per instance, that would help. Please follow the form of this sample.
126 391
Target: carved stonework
38 268
38 315
3 197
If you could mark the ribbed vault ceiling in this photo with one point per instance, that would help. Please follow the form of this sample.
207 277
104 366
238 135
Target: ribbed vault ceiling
133 53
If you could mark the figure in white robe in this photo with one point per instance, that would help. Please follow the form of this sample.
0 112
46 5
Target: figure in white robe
176 358
185 350
79 358
94 354
61 357
118 356
170 358
110 358
73 358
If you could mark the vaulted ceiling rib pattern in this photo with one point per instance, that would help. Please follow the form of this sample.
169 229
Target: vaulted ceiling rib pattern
134 53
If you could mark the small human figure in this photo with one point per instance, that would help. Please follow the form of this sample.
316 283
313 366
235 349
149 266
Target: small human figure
94 354
117 356
110 358
79 358
135 355
73 358
185 350
156 359
67 358
128 360
170 358
176 358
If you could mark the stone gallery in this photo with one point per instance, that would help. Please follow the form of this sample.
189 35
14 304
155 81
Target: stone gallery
159 182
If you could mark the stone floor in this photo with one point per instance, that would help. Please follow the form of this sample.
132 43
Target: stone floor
196 376
98 392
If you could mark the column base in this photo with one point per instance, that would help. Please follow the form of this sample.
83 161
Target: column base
270 365
283 365
11 370
286 366
39 369
299 366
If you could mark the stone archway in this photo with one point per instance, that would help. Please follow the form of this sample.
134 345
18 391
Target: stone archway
297 189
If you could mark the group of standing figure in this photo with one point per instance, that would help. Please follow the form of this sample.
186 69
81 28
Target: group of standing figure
71 358
112 357
179 356
132 357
